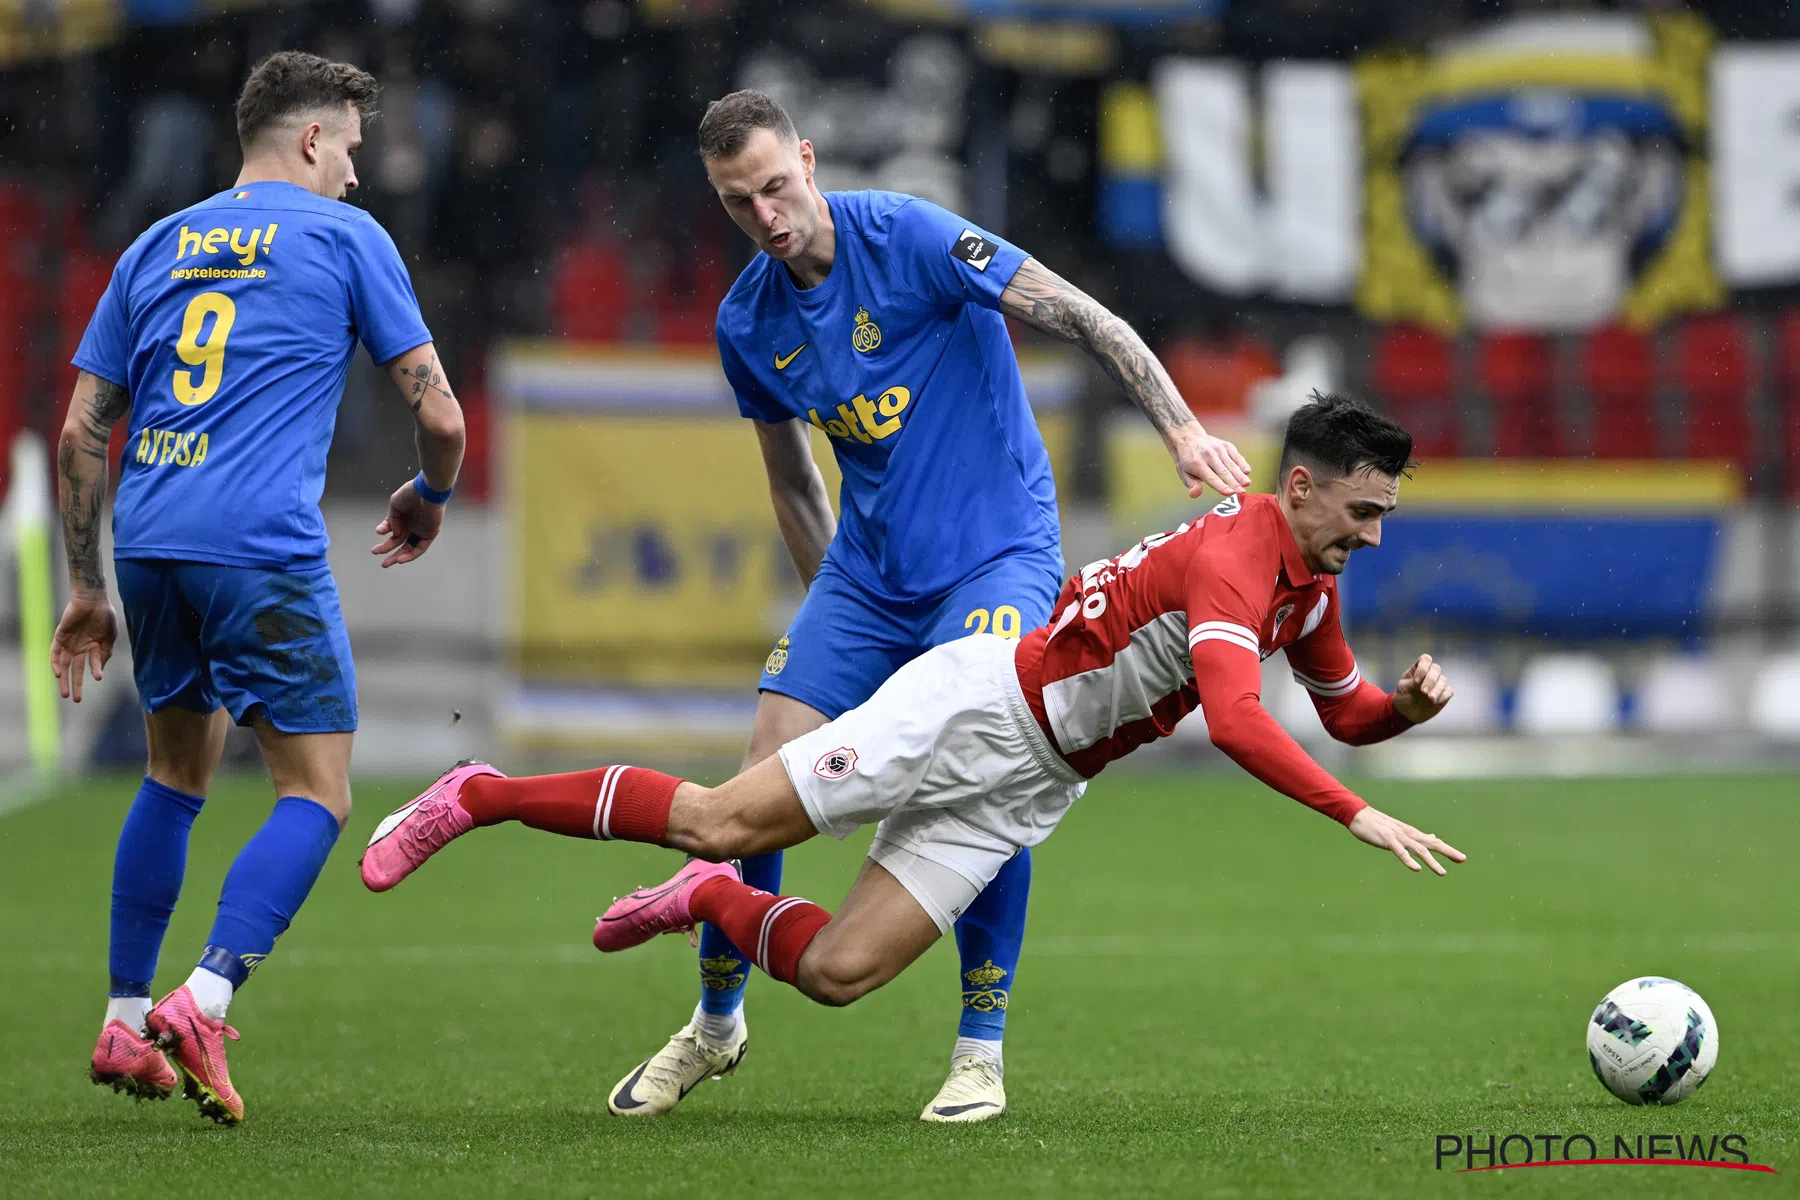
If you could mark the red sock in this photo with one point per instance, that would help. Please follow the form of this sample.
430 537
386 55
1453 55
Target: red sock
625 803
773 930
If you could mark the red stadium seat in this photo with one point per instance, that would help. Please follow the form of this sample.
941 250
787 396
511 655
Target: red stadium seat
1618 370
1413 371
1715 369
1517 376
590 286
1787 382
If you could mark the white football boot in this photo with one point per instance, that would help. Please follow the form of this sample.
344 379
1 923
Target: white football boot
973 1092
661 1081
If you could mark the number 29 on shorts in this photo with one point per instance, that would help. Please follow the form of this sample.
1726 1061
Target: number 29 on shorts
1006 621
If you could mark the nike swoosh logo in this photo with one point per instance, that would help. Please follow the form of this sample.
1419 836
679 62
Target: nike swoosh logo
781 364
623 1097
956 1110
648 898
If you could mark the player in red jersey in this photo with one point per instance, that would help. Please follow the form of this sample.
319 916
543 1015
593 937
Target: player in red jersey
978 747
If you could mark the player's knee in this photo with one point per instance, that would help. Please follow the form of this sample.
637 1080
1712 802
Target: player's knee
839 977
717 839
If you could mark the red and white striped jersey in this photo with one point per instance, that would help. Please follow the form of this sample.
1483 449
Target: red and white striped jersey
1182 620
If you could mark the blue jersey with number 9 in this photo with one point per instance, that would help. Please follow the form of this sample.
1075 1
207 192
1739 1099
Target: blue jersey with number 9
231 324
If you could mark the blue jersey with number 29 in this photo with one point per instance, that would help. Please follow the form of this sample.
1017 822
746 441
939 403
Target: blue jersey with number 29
231 324
902 359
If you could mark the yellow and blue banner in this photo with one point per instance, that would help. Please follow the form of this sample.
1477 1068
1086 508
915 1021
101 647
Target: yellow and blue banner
644 547
1580 548
1512 184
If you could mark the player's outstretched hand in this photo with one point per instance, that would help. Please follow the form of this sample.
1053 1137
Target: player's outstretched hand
1378 829
1423 691
83 642
411 525
1204 461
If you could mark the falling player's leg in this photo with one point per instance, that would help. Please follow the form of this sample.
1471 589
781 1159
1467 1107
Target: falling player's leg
148 868
278 657
715 1039
839 648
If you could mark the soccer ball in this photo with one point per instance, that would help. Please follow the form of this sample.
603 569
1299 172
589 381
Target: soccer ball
1652 1041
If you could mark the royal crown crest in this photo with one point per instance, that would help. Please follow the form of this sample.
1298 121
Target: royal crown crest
867 334
986 975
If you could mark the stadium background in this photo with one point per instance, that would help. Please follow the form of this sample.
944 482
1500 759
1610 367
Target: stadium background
1558 239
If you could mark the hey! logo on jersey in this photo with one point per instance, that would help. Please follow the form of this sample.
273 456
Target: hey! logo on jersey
835 764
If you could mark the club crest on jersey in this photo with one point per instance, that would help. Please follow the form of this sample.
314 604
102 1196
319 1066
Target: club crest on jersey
1281 615
835 764
778 657
867 334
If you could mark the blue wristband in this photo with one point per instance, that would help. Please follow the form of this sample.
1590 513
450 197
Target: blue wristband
430 493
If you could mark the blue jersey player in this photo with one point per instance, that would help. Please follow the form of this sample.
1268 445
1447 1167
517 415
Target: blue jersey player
876 318
225 334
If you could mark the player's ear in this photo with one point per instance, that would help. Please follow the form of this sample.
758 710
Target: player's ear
309 141
807 158
1298 484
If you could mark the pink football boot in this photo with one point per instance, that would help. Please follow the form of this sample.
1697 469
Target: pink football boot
197 1044
420 828
131 1064
635 919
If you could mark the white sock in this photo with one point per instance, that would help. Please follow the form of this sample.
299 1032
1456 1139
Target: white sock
130 1009
980 1048
720 1030
211 992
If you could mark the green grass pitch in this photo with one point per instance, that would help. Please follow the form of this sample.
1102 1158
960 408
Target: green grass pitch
1222 994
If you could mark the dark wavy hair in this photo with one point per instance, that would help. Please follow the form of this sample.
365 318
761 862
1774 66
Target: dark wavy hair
1335 435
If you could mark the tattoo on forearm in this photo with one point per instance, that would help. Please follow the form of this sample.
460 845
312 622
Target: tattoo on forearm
422 378
81 490
1051 304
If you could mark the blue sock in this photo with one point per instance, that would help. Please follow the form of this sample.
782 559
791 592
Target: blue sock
724 969
988 937
147 874
267 884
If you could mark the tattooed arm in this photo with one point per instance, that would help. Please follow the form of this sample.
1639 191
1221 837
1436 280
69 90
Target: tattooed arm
1051 304
412 521
85 635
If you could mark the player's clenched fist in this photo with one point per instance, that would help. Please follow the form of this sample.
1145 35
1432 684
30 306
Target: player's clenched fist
1378 829
1423 691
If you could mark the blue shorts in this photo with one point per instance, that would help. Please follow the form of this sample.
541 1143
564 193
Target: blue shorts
205 635
845 642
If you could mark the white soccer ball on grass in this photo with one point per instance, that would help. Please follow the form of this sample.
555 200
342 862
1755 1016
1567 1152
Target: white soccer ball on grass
1652 1041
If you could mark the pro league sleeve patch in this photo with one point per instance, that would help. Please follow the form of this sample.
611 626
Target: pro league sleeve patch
974 249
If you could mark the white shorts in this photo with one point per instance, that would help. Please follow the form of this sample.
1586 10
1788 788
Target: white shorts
948 758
